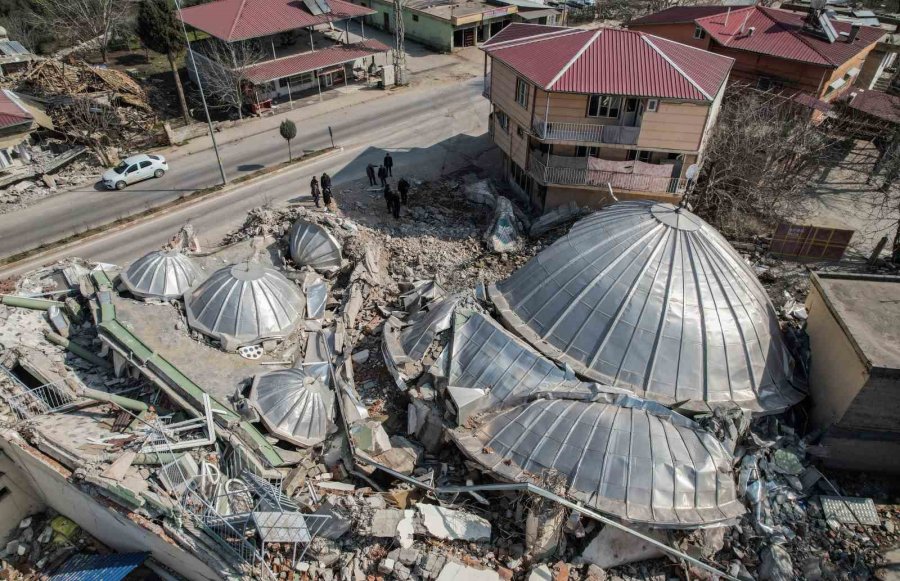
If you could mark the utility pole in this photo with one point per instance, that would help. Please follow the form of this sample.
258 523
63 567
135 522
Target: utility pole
212 133
399 52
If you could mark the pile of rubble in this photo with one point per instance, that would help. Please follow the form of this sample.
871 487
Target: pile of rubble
430 434
27 191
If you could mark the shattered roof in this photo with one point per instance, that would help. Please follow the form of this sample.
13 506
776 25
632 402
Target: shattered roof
649 297
163 274
312 245
243 304
634 459
294 406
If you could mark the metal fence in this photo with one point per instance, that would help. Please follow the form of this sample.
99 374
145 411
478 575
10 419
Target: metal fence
29 403
574 176
585 132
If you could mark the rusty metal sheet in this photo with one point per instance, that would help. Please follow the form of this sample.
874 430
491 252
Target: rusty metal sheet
809 242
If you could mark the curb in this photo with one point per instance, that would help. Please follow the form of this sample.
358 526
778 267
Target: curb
179 203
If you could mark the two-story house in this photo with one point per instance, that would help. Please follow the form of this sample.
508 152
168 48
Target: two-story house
774 49
279 48
578 113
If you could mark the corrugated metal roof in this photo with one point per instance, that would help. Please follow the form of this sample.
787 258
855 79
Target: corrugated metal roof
310 61
525 31
11 112
651 298
612 61
780 33
877 104
232 20
678 14
83 567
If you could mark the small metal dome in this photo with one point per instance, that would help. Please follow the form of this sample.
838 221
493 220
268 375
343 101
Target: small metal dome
649 297
312 245
163 274
243 304
294 406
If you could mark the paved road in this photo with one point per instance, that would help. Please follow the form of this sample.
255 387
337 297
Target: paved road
429 132
427 114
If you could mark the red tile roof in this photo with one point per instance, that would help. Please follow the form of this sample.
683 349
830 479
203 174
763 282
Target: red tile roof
876 104
232 20
11 113
777 32
611 61
811 102
310 61
678 14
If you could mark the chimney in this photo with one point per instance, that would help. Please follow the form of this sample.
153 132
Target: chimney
854 31
751 30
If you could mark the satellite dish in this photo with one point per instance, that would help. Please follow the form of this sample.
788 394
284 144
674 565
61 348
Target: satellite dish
692 172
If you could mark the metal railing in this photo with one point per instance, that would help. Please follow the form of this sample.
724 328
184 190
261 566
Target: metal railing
585 132
576 176
29 403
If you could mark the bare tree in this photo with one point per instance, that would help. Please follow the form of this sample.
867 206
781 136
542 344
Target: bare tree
90 123
761 158
222 67
84 21
21 26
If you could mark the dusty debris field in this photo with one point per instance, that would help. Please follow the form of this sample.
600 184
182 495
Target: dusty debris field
399 273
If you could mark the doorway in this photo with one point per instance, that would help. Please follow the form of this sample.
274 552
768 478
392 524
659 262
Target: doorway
386 18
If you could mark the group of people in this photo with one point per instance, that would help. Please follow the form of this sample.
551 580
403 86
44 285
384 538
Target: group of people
321 188
384 171
324 193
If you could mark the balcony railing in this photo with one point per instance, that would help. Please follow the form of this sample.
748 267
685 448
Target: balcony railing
585 132
583 176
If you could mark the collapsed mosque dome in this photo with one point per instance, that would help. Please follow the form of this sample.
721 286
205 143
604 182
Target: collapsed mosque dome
647 296
294 406
163 275
243 304
314 246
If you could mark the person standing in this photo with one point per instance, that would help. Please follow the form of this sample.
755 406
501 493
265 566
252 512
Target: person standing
382 175
314 190
370 172
389 197
325 181
389 164
326 197
403 186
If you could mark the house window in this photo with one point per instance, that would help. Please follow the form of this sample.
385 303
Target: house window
699 33
652 105
644 156
768 84
502 120
415 17
519 131
603 106
522 93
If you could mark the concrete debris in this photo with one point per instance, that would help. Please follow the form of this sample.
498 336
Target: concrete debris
402 456
449 524
370 437
613 547
456 571
541 573
556 217
775 565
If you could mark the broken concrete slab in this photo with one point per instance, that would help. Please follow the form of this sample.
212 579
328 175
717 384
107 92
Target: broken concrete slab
541 573
456 571
449 524
555 217
118 469
402 457
370 437
384 523
613 547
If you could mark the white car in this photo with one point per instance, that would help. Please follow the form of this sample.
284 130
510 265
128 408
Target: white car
133 169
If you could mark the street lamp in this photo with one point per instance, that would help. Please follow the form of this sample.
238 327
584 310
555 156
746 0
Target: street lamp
212 134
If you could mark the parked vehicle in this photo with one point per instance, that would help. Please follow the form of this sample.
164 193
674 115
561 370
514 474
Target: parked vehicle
134 169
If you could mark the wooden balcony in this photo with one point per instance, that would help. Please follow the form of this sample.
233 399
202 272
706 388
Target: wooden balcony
619 181
585 132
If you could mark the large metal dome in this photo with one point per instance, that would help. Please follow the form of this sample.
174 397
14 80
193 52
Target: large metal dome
243 304
163 274
294 406
312 245
649 297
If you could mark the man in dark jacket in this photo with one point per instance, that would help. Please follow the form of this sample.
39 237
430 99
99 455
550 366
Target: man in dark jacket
314 190
325 181
370 172
382 175
403 186
389 164
389 197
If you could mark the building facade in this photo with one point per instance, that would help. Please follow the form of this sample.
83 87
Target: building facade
279 49
605 114
773 49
